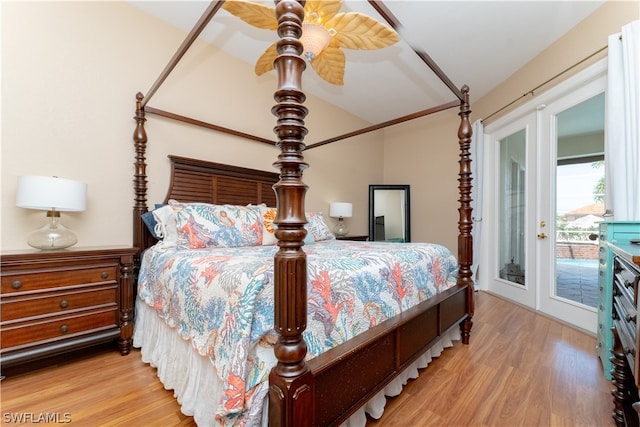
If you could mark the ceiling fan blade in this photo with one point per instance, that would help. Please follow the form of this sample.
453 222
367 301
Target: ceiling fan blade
329 65
252 13
355 30
321 11
265 62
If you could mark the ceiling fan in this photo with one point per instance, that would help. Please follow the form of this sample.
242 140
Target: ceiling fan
324 33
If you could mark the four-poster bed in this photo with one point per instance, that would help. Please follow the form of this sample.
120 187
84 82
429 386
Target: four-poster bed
327 388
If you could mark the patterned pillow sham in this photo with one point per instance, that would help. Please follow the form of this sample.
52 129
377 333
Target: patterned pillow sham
203 225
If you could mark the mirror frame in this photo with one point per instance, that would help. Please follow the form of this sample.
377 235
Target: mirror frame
407 210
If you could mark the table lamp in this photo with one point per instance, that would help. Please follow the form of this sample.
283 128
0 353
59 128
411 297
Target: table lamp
340 210
53 195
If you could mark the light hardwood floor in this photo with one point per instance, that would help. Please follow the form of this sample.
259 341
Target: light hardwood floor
521 369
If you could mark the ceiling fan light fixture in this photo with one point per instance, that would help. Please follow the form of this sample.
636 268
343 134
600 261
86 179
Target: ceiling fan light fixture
315 38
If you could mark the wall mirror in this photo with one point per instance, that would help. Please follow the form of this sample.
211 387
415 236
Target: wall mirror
389 218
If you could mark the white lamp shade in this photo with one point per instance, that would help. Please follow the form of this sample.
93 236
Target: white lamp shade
340 210
48 192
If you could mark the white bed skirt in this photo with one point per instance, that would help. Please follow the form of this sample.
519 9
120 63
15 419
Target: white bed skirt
196 386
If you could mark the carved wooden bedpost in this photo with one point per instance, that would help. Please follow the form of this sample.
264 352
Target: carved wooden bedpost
465 223
139 177
290 381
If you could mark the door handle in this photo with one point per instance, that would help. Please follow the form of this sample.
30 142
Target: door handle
542 236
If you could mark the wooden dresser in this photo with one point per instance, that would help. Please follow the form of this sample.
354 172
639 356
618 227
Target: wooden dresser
53 302
625 359
610 233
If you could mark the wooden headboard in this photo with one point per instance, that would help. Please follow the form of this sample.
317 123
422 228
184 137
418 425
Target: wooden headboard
195 180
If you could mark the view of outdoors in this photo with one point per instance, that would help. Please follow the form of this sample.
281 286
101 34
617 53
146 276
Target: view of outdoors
580 207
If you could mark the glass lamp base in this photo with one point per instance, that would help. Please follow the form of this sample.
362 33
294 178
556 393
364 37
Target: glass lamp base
340 230
52 235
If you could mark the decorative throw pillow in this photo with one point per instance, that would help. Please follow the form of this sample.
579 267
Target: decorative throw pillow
203 225
151 224
317 227
267 216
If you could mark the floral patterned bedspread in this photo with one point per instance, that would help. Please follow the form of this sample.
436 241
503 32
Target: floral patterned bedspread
221 300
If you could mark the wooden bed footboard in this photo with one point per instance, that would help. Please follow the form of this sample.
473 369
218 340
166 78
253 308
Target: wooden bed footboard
346 377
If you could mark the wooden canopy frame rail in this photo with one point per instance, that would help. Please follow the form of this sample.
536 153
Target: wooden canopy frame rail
304 393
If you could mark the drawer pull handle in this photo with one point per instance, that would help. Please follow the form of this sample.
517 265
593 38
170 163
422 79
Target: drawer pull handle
104 274
64 329
631 318
64 303
631 351
17 284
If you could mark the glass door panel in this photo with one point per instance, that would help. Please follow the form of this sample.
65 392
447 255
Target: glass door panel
579 203
512 253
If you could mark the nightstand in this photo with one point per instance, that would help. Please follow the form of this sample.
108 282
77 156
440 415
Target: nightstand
358 238
53 302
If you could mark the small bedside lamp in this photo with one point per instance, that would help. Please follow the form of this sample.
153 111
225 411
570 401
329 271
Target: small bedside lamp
340 210
53 195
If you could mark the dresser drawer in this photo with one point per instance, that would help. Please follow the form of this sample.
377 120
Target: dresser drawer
625 317
623 296
57 328
627 342
627 276
29 282
20 308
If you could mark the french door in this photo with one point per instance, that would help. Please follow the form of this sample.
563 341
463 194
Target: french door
541 250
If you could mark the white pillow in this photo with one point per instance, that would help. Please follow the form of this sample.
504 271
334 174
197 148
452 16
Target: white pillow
166 226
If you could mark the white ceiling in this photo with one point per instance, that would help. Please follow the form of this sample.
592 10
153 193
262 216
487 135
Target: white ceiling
478 43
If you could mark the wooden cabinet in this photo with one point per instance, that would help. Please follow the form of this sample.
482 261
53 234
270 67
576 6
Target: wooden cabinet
626 373
53 302
610 233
